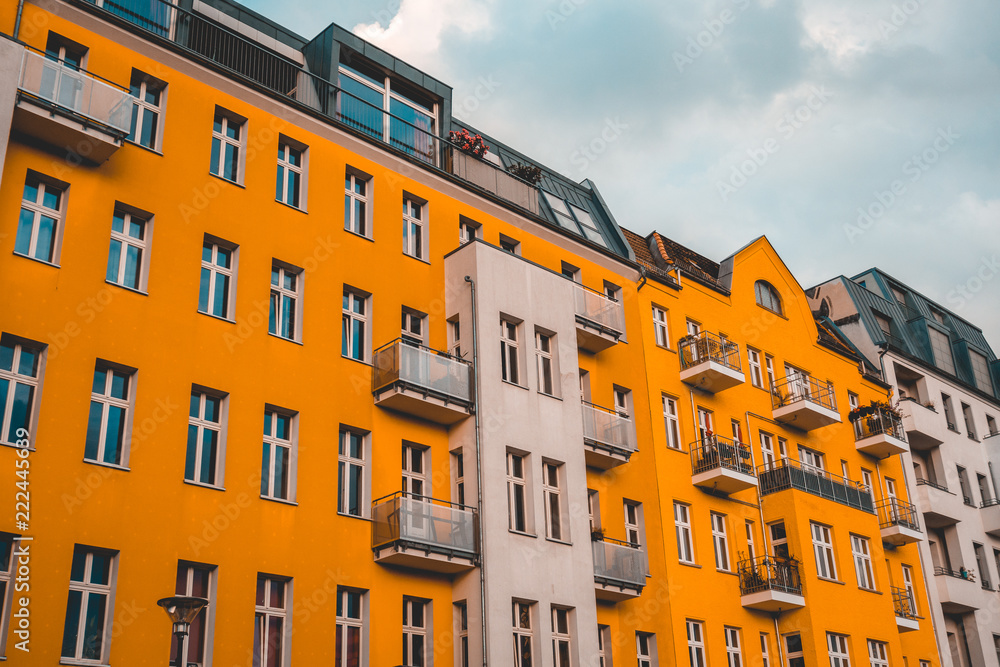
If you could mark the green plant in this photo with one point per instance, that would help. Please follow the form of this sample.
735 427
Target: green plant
526 172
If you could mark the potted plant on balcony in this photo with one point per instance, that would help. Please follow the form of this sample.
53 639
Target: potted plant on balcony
468 143
526 172
597 534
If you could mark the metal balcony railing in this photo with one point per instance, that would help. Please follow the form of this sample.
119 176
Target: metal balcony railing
75 90
619 563
422 369
608 429
880 422
934 485
895 512
791 390
767 573
425 523
709 347
989 503
601 310
714 451
903 603
789 474
957 574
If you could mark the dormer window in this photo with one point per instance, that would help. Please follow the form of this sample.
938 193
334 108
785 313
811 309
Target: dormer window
767 296
575 219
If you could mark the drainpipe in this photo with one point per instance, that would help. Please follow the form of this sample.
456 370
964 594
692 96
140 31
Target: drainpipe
642 272
760 500
777 639
479 468
17 20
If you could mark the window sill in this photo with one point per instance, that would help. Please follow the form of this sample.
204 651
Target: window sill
217 317
35 259
70 661
16 446
127 288
666 349
419 259
869 590
686 564
354 516
203 485
357 361
552 539
514 384
829 580
360 236
280 501
522 534
773 312
113 466
290 340
542 393
676 449
729 572
294 208
226 180
145 148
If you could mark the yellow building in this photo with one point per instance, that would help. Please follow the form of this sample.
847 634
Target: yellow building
360 440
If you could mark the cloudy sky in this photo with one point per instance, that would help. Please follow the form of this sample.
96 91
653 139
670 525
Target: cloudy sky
854 133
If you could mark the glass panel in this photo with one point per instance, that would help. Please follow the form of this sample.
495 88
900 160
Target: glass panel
20 410
192 445
114 259
119 385
93 430
43 244
71 628
93 631
6 357
115 434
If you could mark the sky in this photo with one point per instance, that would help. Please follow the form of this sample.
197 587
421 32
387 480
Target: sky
853 133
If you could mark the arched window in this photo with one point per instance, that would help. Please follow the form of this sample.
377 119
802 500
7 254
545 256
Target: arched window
767 296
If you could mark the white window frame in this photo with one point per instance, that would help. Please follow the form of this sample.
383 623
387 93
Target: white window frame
87 589
228 119
346 463
468 230
720 540
908 586
682 527
462 633
287 170
281 295
39 209
414 227
545 362
645 649
509 360
693 328
220 278
555 525
661 327
354 200
562 637
695 642
141 107
769 368
202 424
415 466
350 320
273 442
603 642
517 487
107 402
861 550
671 422
6 580
734 652
981 371
267 612
208 612
756 375
750 527
414 628
840 655
14 377
765 650
878 653
822 540
346 622
125 241
521 614
413 325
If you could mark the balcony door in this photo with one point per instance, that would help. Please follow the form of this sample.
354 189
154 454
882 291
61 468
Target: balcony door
706 429
413 515
811 461
798 383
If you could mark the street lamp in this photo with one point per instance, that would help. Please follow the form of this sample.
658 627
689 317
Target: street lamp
182 609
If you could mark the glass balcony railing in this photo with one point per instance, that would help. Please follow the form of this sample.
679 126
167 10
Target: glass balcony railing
423 369
709 347
426 523
608 429
895 512
880 421
599 309
768 573
714 452
789 474
619 563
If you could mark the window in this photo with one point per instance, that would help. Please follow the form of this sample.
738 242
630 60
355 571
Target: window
910 592
839 656
623 401
734 655
949 412
20 370
413 326
706 428
603 642
551 472
507 244
270 622
779 540
109 424
570 271
573 218
970 424
468 230
853 400
767 296
737 430
277 475
765 652
884 323
878 653
991 425
721 541
811 460
866 479
521 620
543 355
354 330
981 371
462 632
357 211
767 448
415 614
458 469
87 633
508 351
826 567
863 562
62 85
660 328
289 185
413 228
217 292
751 542
286 290
769 367
671 422
148 93
127 255
206 445
455 336
753 358
941 346
194 579
634 531
6 590
350 627
562 641
682 525
645 649
228 139
351 473
414 471
793 650
693 328
696 643
516 494
39 229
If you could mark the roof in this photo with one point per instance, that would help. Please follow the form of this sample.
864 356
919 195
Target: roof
695 265
644 257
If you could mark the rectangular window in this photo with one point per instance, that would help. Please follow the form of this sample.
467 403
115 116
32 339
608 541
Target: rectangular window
6 591
206 442
751 541
351 485
551 472
413 326
357 203
39 227
543 355
508 352
793 650
696 643
87 633
146 108
521 621
863 562
826 566
270 623
839 655
109 425
660 327
682 525
634 530
721 541
670 420
458 470
970 424
765 651
878 653
756 376
941 346
769 368
128 254
981 372
516 494
217 292
415 643
414 469
991 425
462 627
949 412
734 654
286 292
277 469
645 649
228 140
197 580
354 330
468 230
350 627
603 646
414 240
562 641
20 371
290 183
507 244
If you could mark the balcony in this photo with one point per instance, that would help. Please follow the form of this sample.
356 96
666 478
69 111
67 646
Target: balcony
710 362
722 464
424 533
991 516
898 522
493 179
619 570
71 108
940 506
922 425
600 320
608 437
959 594
789 474
804 403
770 584
905 607
879 432
422 382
